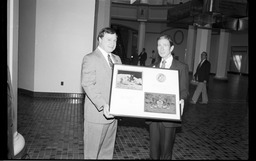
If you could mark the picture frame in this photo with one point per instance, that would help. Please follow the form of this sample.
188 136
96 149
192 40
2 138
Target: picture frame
145 92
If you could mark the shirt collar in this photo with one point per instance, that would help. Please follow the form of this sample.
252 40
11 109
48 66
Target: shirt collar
105 54
168 62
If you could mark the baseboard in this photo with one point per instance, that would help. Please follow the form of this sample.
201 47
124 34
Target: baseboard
51 94
237 73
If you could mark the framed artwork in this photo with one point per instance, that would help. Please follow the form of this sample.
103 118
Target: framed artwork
145 92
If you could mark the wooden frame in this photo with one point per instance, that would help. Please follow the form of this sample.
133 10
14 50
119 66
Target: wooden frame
145 92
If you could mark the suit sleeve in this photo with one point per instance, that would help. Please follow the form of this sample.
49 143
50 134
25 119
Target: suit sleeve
88 82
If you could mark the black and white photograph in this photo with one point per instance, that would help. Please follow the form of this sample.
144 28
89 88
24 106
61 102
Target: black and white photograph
160 103
144 92
127 79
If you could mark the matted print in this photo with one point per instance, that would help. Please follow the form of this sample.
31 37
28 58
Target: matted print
160 103
145 92
129 80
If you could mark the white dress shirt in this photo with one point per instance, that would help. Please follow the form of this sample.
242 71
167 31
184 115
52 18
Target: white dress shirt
105 54
168 62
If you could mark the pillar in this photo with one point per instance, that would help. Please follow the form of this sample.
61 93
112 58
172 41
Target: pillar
203 42
12 61
141 36
221 72
190 51
129 44
102 17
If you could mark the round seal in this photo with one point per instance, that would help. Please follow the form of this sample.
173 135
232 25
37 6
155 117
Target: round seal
161 77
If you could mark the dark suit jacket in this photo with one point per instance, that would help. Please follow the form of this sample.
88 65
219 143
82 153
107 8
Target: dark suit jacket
143 56
183 81
203 71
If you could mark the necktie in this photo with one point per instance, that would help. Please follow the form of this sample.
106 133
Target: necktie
110 61
200 64
163 64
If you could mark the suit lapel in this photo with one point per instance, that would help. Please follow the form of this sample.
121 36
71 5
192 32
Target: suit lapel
102 61
174 64
113 58
116 60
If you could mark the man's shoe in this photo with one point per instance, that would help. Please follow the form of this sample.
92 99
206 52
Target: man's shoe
192 102
203 103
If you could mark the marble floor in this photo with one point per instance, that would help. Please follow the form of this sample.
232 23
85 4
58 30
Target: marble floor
53 127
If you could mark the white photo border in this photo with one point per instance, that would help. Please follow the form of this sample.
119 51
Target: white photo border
145 92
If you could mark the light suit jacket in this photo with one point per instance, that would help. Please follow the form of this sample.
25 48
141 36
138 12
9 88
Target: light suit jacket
96 81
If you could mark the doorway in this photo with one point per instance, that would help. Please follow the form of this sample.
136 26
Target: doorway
239 60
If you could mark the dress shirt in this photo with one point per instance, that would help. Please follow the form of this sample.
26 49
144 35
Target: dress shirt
105 54
168 62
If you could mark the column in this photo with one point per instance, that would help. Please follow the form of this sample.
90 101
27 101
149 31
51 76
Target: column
141 36
142 17
102 17
203 42
190 51
129 44
221 72
12 61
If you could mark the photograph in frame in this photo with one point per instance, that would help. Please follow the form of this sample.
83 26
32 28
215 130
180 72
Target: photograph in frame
160 103
129 80
145 92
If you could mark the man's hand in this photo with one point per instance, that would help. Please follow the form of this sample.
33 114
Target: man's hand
106 111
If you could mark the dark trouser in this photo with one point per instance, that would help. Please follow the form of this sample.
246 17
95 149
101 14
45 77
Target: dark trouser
142 63
161 141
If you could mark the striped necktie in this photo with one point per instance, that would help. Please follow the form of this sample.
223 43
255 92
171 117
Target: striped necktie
163 64
110 61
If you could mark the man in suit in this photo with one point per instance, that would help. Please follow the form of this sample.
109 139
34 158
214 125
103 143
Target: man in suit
99 126
202 76
162 133
143 57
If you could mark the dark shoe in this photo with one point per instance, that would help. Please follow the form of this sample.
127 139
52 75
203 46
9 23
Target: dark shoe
192 102
203 103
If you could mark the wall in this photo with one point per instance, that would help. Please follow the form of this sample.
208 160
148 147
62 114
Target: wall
54 35
63 33
26 65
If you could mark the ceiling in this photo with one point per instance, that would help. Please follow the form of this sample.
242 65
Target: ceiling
226 14
216 14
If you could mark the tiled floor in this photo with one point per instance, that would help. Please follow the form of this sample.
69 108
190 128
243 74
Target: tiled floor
53 127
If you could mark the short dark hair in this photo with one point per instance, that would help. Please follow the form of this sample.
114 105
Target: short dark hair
167 37
106 30
204 52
